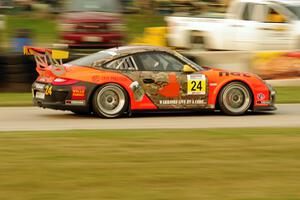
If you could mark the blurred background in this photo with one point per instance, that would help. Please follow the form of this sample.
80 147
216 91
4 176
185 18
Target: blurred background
260 36
256 36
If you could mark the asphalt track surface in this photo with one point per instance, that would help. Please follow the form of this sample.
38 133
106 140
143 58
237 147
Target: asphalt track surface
36 119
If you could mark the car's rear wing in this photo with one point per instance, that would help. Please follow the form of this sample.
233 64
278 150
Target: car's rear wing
47 58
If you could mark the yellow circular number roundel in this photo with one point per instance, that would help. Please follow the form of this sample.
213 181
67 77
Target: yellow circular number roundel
196 84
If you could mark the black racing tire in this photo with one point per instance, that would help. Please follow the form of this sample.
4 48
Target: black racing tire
235 98
110 101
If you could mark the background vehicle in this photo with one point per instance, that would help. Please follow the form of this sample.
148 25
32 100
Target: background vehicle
248 25
129 78
91 23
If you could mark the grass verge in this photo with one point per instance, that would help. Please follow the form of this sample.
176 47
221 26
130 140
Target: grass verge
136 23
256 164
15 99
45 30
284 95
288 94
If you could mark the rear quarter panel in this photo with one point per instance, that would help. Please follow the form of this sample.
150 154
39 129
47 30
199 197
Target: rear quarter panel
101 77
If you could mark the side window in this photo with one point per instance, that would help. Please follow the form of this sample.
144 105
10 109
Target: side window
248 11
159 61
274 17
235 10
125 63
260 11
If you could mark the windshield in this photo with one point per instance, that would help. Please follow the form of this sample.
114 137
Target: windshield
111 6
188 61
295 9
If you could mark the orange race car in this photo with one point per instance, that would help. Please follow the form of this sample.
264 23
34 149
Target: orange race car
120 80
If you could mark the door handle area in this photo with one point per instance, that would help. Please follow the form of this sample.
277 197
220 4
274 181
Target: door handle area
148 81
272 29
237 25
265 28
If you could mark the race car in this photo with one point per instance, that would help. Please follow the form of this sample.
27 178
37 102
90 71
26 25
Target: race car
121 80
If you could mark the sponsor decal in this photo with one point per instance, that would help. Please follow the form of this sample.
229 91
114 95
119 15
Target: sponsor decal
181 102
108 78
39 86
196 84
137 90
75 102
48 90
96 79
234 74
78 92
261 96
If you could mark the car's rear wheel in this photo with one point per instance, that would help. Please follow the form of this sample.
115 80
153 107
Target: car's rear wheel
110 101
235 98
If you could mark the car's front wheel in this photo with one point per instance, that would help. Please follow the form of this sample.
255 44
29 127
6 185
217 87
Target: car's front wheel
235 98
110 101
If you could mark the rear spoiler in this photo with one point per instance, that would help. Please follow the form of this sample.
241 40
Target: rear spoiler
46 58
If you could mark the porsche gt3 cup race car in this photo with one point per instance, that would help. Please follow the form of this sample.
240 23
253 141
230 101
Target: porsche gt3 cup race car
120 80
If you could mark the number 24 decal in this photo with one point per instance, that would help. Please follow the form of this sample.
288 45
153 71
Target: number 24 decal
48 90
196 86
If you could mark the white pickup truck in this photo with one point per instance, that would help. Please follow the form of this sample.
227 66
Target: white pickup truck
247 25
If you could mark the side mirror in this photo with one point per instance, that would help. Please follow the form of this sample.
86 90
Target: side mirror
188 69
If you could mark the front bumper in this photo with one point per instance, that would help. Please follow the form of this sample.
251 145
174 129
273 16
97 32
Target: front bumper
62 97
264 108
267 105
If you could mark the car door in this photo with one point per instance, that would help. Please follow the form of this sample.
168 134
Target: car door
167 85
274 29
243 28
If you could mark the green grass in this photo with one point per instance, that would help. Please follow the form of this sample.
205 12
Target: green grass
288 94
284 95
15 99
210 164
135 24
43 30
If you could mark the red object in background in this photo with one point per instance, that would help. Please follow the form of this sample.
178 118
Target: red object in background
88 27
295 54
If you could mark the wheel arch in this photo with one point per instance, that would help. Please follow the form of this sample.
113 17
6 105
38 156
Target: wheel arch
90 99
218 92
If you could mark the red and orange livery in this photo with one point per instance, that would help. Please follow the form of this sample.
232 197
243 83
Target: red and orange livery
122 80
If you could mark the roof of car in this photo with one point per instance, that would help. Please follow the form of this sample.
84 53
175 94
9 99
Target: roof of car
107 55
135 48
286 2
